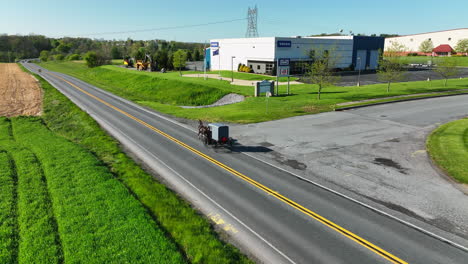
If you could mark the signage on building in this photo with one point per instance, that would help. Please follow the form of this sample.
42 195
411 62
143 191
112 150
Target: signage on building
283 44
283 62
215 44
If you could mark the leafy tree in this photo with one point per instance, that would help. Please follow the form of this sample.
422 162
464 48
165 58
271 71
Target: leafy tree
197 55
320 71
161 58
139 54
179 60
447 68
63 48
94 59
189 55
426 46
462 46
391 66
44 56
115 53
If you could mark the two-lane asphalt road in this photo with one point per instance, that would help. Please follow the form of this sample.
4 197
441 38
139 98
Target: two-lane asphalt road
278 217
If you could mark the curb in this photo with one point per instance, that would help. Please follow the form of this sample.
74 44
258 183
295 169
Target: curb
396 101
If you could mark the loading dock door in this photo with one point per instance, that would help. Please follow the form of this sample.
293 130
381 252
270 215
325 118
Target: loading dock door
361 59
374 59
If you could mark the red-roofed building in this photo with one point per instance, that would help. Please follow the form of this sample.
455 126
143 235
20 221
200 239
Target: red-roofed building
443 50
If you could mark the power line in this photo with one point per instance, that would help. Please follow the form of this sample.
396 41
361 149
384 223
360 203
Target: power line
161 28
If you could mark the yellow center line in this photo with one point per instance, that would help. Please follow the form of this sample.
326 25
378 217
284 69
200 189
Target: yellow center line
317 217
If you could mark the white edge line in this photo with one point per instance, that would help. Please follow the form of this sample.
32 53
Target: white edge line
201 192
187 181
307 180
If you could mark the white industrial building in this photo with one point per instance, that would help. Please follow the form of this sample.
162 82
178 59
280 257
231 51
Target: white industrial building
446 37
261 54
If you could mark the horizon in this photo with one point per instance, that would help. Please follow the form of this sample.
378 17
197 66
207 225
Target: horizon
186 21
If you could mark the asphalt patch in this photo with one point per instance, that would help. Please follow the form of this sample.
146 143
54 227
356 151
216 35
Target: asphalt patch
390 163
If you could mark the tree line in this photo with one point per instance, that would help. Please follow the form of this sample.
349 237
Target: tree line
15 47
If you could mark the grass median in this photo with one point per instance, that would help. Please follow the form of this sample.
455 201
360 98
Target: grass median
448 147
190 231
302 101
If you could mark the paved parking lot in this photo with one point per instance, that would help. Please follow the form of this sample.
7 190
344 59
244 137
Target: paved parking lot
412 75
376 152
351 78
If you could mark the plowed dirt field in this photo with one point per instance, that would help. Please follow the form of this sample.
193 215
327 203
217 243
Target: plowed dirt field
20 94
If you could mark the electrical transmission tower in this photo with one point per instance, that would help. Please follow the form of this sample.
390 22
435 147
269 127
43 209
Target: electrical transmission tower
252 31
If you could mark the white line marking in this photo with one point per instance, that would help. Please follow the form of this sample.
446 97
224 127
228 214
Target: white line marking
201 192
192 185
305 179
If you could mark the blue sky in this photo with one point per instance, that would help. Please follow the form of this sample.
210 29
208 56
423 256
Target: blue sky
58 18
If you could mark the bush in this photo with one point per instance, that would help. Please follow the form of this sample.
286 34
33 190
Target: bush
73 57
59 57
44 55
94 59
413 54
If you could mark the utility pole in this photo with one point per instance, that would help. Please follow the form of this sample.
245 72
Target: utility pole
359 74
232 68
204 60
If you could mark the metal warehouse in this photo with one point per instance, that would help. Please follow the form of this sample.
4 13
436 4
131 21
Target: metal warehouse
262 54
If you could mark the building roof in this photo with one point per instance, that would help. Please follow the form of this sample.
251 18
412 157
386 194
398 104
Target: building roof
456 29
443 48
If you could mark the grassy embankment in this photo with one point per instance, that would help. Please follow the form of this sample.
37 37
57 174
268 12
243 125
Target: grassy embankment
448 147
191 232
69 207
461 61
244 76
164 92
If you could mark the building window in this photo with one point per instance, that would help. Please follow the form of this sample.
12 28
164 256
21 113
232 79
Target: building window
411 40
269 67
450 39
258 67
251 66
429 39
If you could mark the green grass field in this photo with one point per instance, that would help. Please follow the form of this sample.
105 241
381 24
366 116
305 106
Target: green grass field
69 207
244 76
448 147
302 101
461 61
192 233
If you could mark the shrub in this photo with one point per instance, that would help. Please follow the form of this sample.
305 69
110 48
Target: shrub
73 57
44 55
59 57
94 59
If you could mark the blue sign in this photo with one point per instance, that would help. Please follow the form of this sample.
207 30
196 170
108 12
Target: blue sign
283 44
215 44
265 86
216 52
283 62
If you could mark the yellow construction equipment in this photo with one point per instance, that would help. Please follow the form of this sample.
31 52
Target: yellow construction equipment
142 65
128 62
